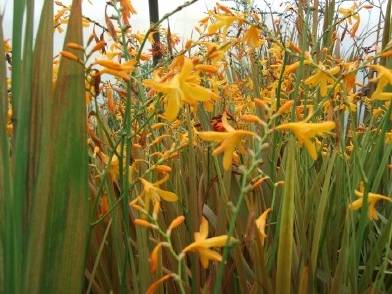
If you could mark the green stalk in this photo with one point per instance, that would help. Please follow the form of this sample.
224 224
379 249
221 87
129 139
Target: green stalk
286 231
5 178
321 215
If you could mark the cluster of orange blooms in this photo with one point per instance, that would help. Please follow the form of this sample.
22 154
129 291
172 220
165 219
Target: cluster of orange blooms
197 78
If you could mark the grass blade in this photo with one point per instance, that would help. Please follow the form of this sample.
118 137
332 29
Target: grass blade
62 182
286 231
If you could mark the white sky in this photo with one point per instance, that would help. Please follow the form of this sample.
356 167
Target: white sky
181 23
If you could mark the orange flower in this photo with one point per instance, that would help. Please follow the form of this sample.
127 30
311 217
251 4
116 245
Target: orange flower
223 22
252 37
175 223
260 224
285 108
69 56
352 16
251 119
152 192
126 10
373 198
229 141
203 244
116 69
306 131
383 78
323 78
154 257
144 223
183 87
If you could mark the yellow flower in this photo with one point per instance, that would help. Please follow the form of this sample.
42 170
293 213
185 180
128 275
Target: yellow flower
183 87
294 66
351 14
388 138
203 244
384 78
7 46
222 22
207 68
215 53
323 78
306 131
152 192
276 51
114 166
229 141
373 198
252 37
116 69
260 224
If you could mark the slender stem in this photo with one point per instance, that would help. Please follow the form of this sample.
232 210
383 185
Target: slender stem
244 189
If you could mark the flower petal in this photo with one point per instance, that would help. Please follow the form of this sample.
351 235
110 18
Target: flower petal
219 241
173 105
203 228
213 136
311 147
228 158
210 254
167 196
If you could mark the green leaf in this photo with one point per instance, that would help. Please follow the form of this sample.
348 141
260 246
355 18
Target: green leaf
286 231
321 214
60 229
5 181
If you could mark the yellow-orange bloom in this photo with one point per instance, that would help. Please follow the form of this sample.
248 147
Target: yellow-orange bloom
388 138
206 68
117 69
183 87
7 47
152 192
175 223
126 10
252 37
127 66
164 169
352 16
154 257
70 56
373 198
229 141
383 78
260 224
323 78
222 22
251 119
306 131
291 68
285 108
75 46
203 244
144 223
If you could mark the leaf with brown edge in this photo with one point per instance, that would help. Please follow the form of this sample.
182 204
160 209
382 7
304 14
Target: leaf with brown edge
57 260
